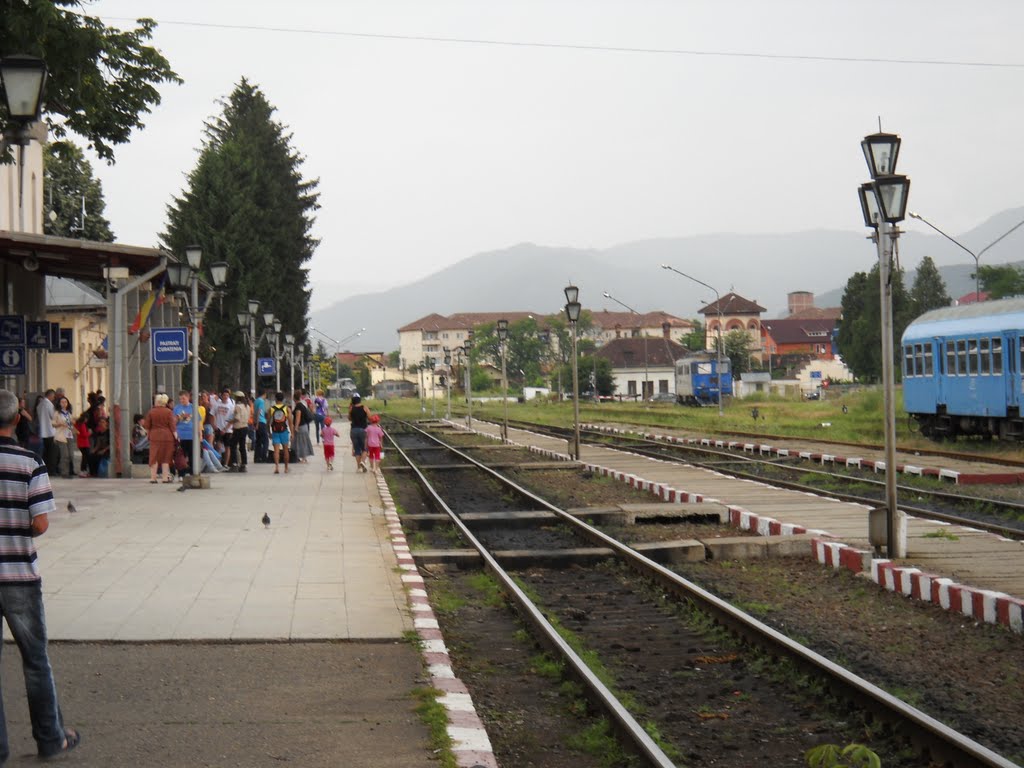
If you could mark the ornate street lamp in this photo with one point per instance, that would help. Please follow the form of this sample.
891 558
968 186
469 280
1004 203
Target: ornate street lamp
24 81
572 312
883 203
503 338
467 348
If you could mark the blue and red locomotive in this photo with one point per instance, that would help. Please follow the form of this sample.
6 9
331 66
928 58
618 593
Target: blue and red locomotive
962 370
698 380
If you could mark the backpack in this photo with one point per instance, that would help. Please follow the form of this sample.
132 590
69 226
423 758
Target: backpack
279 418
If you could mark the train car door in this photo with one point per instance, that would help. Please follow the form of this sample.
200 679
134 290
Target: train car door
1011 349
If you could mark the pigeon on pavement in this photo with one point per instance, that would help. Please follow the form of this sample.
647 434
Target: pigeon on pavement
71 508
266 520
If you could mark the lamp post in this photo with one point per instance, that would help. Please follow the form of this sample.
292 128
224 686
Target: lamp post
247 323
181 276
468 348
718 306
572 312
289 352
646 378
975 256
883 202
448 381
24 80
337 349
502 339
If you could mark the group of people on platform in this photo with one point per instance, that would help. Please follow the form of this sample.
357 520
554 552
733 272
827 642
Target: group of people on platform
52 431
274 428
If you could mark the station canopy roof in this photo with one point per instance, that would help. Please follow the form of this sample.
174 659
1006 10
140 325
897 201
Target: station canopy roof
77 259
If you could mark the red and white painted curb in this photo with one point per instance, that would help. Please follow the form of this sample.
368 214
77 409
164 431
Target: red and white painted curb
470 743
978 604
954 476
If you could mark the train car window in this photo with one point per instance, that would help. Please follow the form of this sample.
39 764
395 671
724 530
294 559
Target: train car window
961 358
985 367
908 361
919 360
950 358
928 362
972 356
997 356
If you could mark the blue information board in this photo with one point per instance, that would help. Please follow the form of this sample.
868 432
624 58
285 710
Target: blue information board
266 366
169 346
12 361
65 340
12 330
38 333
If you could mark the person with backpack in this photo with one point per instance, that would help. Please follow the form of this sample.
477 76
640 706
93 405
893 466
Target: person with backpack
320 412
279 418
301 418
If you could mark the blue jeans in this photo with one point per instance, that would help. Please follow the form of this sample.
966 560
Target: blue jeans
22 606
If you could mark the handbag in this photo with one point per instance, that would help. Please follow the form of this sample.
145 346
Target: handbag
180 459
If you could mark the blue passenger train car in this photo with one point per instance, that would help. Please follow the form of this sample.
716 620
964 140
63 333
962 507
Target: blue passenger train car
962 370
698 379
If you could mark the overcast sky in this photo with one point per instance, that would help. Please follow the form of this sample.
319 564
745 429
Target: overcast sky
428 151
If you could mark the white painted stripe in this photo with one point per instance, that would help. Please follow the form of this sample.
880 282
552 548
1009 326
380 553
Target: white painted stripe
457 702
425 624
469 739
441 671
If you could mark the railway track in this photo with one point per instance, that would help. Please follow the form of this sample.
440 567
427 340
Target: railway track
631 606
996 516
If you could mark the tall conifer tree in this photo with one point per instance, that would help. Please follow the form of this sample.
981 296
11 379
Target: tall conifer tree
247 204
929 289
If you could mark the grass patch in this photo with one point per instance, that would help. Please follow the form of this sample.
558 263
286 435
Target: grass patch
435 717
941 533
485 584
599 741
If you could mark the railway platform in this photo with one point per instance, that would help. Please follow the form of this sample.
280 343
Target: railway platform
962 569
184 632
954 469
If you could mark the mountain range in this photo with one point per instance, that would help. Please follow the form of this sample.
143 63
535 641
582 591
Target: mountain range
763 268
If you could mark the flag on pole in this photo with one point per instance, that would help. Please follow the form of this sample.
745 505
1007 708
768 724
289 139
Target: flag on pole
147 306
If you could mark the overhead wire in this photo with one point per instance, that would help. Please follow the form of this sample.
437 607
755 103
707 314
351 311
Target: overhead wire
584 46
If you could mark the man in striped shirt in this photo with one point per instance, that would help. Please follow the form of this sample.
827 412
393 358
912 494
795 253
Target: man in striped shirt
26 500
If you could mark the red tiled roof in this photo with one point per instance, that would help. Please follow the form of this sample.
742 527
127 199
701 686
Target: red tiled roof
432 322
733 304
629 352
610 320
798 331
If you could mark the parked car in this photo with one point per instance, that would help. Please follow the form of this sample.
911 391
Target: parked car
662 397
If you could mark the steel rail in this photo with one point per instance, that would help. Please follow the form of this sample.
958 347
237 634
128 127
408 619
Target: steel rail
624 721
942 742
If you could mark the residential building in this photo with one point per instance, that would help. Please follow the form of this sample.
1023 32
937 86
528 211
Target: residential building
75 306
729 313
615 325
642 366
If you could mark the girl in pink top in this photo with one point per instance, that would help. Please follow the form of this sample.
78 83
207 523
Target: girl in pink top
328 433
374 441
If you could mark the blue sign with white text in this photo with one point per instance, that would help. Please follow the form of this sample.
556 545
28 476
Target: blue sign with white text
169 346
265 366
66 340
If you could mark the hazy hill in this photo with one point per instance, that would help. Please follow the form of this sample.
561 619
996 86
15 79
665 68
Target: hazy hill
763 268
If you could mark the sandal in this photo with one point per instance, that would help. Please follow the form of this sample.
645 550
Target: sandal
72 739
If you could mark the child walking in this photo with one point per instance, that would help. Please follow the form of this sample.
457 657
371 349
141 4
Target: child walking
374 441
327 434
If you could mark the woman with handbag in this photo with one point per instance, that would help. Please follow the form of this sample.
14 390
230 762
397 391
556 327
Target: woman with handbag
161 425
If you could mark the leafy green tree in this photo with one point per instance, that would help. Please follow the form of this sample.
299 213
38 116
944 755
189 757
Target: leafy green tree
695 339
590 366
394 359
247 204
736 347
860 332
102 79
70 189
929 289
1001 281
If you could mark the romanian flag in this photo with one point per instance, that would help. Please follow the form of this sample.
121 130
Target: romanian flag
156 297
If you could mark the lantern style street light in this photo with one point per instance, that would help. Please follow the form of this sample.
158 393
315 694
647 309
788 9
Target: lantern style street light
502 329
24 82
289 353
181 277
448 381
883 203
467 349
572 313
247 324
721 343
